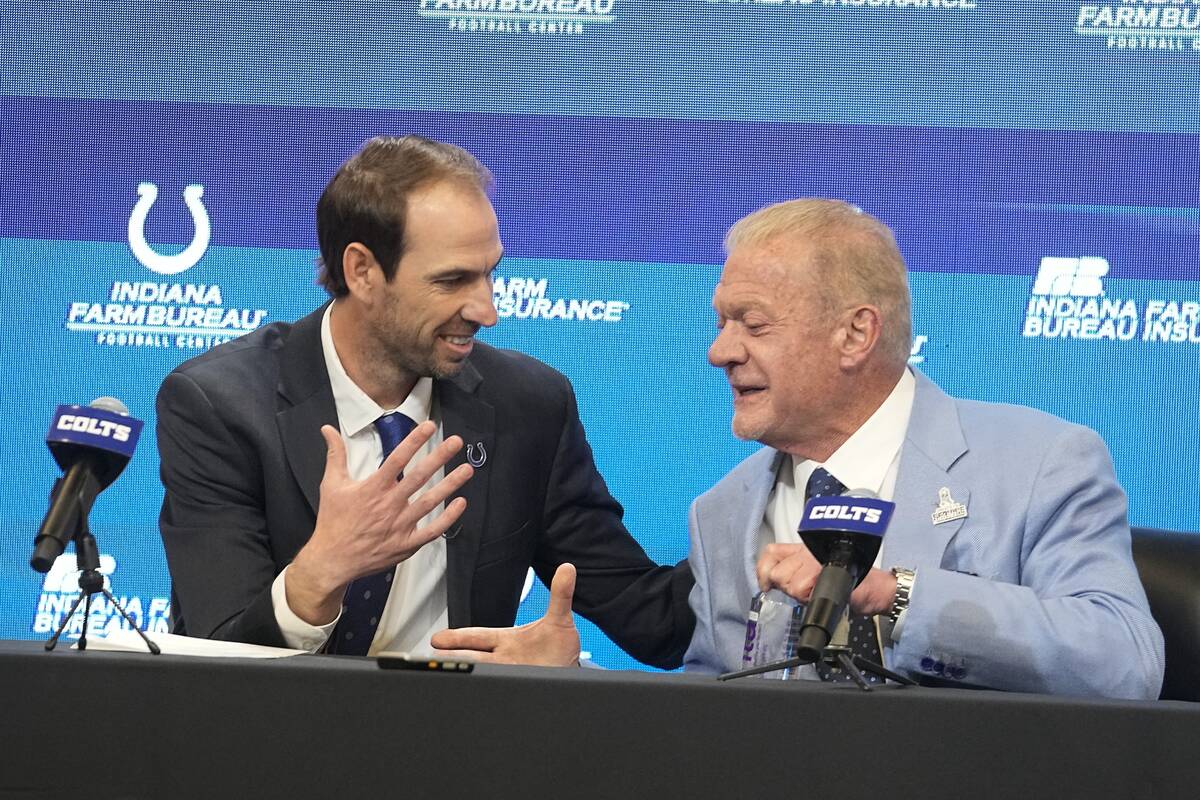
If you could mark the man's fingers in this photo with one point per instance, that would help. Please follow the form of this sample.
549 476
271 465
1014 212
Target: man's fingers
395 463
784 570
478 656
771 555
419 507
439 524
777 563
417 475
478 639
799 586
335 455
562 592
762 569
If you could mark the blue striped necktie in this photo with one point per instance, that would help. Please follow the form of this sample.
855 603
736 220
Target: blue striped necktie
363 605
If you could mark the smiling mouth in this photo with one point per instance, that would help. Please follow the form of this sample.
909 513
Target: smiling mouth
461 341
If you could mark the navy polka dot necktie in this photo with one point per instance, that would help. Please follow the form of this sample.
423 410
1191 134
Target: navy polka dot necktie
363 605
822 484
863 638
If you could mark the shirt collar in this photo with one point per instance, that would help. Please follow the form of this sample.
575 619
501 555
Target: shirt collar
356 410
863 460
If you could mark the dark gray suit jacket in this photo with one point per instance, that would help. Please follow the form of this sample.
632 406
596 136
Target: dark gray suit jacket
242 460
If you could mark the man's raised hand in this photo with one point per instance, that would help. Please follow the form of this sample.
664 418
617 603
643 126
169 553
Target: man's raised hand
367 526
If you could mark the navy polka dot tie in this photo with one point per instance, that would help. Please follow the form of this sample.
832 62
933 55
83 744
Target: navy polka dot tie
366 597
863 638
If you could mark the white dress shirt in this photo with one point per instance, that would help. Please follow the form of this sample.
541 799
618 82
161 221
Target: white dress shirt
869 459
416 605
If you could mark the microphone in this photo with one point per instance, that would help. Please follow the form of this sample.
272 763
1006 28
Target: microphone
844 533
92 444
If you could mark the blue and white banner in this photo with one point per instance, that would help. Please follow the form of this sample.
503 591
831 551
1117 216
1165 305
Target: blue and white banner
1039 162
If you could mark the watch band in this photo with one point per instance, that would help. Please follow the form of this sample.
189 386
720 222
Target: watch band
904 584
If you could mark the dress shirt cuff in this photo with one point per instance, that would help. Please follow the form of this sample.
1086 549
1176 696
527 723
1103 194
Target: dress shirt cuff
298 634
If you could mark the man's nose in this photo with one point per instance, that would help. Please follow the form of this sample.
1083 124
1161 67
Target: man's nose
726 349
481 306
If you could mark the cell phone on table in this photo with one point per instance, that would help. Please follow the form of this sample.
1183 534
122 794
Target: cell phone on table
423 663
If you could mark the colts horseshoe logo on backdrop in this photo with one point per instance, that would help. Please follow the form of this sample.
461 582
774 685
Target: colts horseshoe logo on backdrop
152 259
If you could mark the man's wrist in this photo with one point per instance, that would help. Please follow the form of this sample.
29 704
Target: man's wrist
297 633
312 595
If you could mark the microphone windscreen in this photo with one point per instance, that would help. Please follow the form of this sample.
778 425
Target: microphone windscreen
106 403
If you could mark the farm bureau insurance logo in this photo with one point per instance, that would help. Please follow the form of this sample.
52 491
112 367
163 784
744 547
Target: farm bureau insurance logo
544 17
155 314
60 588
1163 25
531 298
1069 301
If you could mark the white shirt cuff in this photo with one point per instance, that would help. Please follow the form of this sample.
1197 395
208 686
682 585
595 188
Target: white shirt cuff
298 634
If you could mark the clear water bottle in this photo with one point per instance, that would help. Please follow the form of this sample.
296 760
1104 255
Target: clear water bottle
771 630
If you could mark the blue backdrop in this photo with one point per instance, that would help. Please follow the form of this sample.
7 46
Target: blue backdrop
1004 142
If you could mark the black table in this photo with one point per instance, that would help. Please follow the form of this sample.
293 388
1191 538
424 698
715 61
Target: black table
133 725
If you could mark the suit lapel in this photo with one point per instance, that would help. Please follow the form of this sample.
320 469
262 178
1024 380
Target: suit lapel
463 413
746 517
306 404
933 444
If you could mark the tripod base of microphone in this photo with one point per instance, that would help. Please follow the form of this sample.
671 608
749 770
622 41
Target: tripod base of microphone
91 582
853 665
841 658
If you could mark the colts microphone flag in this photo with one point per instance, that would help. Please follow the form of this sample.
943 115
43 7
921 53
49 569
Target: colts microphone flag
844 533
92 444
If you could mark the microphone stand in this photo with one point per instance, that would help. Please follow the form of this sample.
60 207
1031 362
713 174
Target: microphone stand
835 656
91 581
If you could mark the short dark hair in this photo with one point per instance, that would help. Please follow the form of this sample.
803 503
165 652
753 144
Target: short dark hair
367 200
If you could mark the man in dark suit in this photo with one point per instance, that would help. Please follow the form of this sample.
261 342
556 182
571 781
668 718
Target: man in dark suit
287 522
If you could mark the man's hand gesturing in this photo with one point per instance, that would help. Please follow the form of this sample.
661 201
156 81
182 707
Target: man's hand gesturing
366 526
551 641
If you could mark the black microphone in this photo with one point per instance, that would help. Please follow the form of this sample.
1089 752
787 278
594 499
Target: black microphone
92 444
844 533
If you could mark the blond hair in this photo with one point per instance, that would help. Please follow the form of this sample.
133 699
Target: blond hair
855 259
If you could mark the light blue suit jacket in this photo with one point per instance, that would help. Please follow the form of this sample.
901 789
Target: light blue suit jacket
1035 590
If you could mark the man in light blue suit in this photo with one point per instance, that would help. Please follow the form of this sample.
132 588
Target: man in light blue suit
1007 564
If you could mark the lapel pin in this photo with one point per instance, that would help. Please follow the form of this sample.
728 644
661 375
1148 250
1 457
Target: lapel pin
948 509
476 455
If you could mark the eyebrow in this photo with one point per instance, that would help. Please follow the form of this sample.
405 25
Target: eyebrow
738 305
458 271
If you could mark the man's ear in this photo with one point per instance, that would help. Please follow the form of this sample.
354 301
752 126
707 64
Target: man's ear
859 335
361 271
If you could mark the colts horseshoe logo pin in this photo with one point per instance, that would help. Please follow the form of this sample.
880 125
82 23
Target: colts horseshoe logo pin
476 455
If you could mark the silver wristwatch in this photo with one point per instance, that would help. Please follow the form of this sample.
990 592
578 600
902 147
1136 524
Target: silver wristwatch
904 584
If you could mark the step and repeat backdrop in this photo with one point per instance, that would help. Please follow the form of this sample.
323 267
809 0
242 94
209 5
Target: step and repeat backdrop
1039 161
